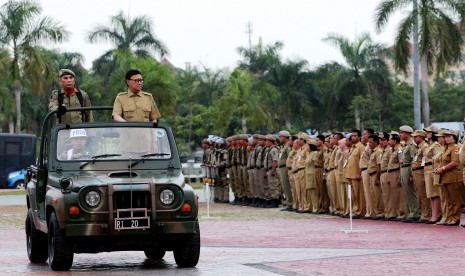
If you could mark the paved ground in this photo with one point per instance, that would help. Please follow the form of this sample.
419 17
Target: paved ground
249 241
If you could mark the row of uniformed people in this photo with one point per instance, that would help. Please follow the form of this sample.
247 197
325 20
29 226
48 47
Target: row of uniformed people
252 166
405 176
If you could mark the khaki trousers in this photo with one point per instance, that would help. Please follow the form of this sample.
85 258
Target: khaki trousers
376 197
385 193
358 200
334 192
322 192
451 197
301 191
295 200
366 191
423 201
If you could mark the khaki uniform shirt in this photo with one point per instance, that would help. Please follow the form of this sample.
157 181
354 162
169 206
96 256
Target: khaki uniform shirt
290 159
418 158
71 101
451 153
320 157
353 161
365 157
271 157
138 107
327 156
310 182
430 152
385 158
301 158
395 158
375 160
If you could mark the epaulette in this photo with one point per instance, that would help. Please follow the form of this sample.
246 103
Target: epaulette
146 93
122 93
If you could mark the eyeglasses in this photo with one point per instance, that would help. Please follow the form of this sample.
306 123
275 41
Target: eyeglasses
137 80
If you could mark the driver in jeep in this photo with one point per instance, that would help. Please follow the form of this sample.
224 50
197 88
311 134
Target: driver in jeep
78 138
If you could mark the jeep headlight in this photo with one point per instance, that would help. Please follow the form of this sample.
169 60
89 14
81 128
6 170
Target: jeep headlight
166 196
92 198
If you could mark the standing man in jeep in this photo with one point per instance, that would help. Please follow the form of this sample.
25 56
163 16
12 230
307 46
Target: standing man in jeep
69 97
135 105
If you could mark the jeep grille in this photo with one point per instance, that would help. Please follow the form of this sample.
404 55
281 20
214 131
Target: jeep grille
140 199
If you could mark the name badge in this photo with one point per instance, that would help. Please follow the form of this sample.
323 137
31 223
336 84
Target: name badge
423 161
345 164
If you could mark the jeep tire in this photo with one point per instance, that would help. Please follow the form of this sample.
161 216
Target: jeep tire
187 252
36 241
60 252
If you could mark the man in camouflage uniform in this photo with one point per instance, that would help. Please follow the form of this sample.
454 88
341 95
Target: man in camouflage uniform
271 167
284 136
69 97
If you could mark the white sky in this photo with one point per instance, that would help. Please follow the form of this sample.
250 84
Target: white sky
207 32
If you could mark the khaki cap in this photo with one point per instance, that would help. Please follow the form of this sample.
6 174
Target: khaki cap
64 72
311 141
419 132
394 133
431 128
450 132
284 133
441 133
302 135
406 128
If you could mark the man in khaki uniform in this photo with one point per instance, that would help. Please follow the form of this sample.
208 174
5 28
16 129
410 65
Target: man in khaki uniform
364 159
418 175
335 186
135 105
289 163
322 191
374 172
353 174
298 169
284 136
69 97
410 193
261 174
386 152
397 208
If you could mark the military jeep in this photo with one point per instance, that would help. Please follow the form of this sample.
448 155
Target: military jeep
109 186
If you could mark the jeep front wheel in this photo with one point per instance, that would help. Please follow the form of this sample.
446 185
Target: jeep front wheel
187 252
60 252
36 241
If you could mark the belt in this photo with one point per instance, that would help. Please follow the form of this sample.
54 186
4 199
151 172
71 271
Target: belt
318 166
298 170
383 171
330 169
428 163
363 169
282 166
418 168
289 168
406 165
372 173
393 170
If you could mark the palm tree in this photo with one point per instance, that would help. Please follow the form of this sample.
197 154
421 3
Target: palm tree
260 59
126 34
440 40
21 29
248 97
364 70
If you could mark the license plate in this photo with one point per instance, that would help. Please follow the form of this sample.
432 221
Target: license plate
132 223
132 219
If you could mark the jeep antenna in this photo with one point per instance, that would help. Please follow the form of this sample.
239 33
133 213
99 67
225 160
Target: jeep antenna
130 180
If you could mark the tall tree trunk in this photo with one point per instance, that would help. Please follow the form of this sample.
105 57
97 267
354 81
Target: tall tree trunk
11 126
357 118
416 78
424 91
244 125
17 91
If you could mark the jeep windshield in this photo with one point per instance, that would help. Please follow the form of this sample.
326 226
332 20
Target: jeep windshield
112 143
